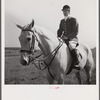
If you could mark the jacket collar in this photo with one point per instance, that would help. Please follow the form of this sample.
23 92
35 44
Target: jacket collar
68 17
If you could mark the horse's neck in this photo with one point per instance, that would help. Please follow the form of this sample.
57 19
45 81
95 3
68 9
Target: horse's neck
47 41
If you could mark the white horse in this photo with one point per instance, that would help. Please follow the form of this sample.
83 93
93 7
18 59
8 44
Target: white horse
62 61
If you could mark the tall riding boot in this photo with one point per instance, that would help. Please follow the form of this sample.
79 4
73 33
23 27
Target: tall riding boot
75 56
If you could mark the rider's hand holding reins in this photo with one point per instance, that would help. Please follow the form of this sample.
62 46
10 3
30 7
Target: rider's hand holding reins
60 39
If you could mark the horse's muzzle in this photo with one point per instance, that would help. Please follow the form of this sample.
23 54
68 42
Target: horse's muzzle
24 61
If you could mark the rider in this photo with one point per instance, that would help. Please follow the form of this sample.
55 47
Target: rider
68 30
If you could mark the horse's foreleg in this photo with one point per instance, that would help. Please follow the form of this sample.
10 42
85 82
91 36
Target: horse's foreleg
50 79
79 77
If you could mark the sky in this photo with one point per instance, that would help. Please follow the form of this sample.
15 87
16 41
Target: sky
47 13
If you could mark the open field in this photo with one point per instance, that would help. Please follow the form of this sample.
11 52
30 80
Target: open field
15 73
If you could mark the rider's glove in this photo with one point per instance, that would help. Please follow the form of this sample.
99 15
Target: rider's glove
60 39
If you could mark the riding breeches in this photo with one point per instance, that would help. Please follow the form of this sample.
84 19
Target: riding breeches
72 44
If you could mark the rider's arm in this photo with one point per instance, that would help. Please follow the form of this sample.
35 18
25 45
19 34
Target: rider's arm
59 32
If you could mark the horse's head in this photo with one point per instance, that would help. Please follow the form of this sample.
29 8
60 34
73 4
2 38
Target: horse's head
27 41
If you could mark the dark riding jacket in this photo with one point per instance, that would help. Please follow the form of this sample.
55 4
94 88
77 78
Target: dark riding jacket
69 28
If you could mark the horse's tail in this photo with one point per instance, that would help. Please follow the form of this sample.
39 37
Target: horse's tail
90 59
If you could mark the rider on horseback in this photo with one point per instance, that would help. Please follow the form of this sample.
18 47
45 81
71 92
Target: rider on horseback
68 30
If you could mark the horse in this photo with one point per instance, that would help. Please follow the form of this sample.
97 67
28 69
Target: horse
53 50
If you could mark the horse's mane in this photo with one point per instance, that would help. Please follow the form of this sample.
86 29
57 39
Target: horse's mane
45 33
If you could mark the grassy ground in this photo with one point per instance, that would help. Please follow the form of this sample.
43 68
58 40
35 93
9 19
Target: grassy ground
15 73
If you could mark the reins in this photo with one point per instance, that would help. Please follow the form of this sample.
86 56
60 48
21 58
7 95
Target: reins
53 54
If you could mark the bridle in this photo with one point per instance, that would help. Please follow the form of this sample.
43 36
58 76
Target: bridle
30 50
42 61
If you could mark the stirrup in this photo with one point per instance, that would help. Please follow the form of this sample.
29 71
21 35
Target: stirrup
76 63
78 67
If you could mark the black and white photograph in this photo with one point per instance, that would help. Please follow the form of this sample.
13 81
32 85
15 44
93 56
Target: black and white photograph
50 43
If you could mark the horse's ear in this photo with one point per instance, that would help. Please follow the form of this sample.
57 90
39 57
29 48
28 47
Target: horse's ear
31 24
19 26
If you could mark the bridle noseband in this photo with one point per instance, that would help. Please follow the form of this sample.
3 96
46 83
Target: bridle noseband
28 51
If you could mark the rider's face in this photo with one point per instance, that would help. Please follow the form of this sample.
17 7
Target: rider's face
66 12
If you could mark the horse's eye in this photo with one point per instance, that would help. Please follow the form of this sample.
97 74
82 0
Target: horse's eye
28 38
